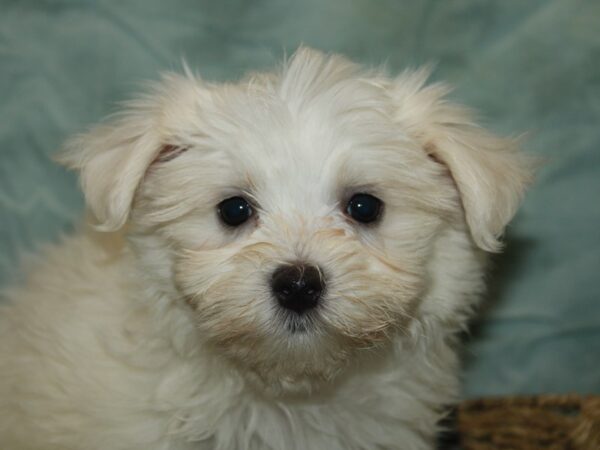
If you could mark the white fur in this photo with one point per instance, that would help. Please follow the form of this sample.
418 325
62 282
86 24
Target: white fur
156 330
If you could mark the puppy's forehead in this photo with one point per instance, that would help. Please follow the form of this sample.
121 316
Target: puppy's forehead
299 147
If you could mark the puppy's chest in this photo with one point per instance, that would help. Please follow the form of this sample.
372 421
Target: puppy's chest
363 419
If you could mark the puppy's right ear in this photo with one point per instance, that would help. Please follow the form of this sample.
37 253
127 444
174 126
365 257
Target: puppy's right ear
112 158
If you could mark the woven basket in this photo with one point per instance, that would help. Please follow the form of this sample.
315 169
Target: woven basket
546 422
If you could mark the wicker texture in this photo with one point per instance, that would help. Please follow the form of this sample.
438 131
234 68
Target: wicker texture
546 422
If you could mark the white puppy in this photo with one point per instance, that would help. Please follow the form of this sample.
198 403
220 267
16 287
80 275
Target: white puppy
281 263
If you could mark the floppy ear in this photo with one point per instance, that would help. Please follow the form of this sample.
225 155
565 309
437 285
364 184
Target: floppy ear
112 158
490 172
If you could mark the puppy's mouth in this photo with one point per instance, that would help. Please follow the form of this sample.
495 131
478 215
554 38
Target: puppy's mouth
295 323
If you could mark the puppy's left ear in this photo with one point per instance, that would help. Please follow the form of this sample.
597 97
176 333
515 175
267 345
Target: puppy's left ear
490 172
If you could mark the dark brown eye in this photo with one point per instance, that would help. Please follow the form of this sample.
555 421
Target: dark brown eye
234 211
364 208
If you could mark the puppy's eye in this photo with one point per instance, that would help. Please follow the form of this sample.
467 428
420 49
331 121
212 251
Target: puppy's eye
234 211
364 208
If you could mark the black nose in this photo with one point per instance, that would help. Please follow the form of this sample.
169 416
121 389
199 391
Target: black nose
297 287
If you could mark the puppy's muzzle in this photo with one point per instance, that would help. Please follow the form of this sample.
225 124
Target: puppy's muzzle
297 287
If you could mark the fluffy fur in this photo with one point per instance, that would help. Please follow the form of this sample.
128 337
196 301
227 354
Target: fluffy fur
155 329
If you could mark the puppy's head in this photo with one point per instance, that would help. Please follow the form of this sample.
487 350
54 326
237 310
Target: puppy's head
300 214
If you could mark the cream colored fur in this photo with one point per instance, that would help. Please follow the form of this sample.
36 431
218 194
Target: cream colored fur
155 329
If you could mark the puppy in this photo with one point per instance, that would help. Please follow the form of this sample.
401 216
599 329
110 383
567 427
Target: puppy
279 263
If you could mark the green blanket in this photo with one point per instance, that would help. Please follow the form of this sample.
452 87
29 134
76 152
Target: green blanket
527 65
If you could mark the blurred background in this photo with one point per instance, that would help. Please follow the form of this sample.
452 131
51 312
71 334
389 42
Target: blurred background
526 65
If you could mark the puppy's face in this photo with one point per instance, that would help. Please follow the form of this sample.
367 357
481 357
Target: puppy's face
295 214
298 232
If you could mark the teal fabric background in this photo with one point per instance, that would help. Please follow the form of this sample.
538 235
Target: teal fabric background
527 65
